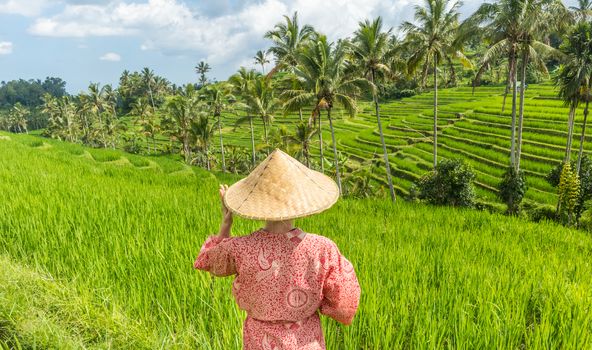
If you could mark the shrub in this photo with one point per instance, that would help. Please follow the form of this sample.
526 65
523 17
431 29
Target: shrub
542 212
512 189
586 220
450 184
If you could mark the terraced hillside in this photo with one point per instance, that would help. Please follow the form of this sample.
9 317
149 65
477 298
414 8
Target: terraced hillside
471 126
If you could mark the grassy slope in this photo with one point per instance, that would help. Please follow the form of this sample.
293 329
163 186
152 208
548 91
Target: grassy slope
119 232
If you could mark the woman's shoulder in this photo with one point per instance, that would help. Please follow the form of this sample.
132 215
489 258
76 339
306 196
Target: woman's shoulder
322 241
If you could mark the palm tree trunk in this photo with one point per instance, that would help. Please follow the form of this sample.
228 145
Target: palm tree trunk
508 79
221 144
306 154
336 159
570 126
207 156
521 113
321 144
252 141
186 149
435 111
265 130
513 132
583 136
384 151
300 113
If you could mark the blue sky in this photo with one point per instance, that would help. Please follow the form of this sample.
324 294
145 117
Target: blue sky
85 41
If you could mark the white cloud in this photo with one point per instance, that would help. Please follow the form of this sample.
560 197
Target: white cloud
225 38
111 57
29 8
5 47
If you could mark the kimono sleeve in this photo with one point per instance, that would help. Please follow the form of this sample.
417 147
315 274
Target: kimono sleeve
217 256
341 291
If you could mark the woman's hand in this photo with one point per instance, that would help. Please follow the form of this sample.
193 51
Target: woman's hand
226 214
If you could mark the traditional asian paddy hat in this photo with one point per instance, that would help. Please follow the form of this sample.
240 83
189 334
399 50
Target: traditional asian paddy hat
281 188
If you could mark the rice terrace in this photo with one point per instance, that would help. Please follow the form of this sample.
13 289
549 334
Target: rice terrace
456 135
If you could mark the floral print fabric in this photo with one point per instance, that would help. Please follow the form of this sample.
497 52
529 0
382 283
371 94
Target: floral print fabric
282 282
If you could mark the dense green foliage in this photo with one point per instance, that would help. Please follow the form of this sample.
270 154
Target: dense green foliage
451 183
29 93
120 232
512 189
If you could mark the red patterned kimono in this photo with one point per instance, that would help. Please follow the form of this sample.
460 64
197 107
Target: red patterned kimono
281 281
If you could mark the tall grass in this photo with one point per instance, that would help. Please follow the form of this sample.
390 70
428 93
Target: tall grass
124 238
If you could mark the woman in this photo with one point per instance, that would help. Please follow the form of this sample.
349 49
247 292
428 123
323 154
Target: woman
284 276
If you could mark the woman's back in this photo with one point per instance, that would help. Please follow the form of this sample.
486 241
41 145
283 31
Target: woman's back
281 281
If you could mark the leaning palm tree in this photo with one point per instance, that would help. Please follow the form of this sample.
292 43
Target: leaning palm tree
434 39
321 70
261 59
202 68
219 99
373 54
242 81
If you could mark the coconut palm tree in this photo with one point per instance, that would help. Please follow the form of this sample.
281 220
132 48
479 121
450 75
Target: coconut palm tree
288 40
202 68
372 51
219 99
434 39
183 108
321 70
148 82
261 59
202 132
575 78
242 82
539 19
514 29
261 102
303 137
582 11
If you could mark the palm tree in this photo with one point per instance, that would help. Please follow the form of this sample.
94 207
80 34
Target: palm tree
575 78
288 40
202 68
373 52
539 19
261 59
219 99
582 11
148 81
183 108
303 137
242 81
202 131
434 39
261 101
321 70
510 26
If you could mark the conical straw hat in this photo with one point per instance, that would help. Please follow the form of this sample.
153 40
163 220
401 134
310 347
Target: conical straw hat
281 188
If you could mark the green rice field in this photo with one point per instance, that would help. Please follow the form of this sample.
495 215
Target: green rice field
97 246
471 126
